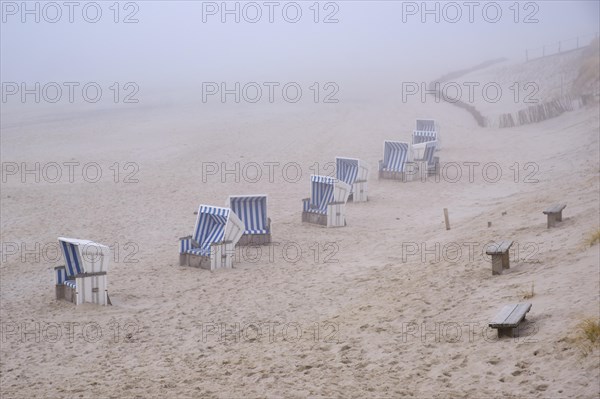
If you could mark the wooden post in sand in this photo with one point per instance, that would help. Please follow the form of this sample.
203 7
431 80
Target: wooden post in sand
446 220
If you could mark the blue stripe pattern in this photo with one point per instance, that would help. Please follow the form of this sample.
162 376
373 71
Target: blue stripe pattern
306 205
395 154
429 151
71 283
252 210
321 193
421 136
61 275
346 169
185 245
210 228
199 251
72 258
426 125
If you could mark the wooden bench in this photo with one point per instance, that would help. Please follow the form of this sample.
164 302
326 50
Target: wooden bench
500 259
554 213
508 319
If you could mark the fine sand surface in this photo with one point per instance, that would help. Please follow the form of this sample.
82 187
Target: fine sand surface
360 295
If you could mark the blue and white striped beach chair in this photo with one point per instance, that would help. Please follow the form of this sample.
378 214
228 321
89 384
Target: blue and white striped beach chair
355 172
426 130
83 277
327 203
216 232
252 210
397 156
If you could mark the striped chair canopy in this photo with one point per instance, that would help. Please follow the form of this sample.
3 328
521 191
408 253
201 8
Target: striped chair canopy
346 169
426 125
321 193
210 228
423 136
395 155
252 210
83 256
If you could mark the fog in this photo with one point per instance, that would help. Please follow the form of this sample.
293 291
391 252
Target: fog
175 46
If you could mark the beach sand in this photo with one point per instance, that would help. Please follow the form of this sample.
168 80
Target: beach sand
384 307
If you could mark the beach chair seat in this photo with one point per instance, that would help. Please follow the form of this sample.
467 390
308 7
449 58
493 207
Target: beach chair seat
397 163
212 245
326 205
252 211
71 283
355 172
83 279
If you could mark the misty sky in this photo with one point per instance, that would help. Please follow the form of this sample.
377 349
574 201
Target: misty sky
170 45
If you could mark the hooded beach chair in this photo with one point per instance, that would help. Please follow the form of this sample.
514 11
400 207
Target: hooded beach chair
397 161
212 245
426 130
327 203
428 164
355 172
252 211
83 278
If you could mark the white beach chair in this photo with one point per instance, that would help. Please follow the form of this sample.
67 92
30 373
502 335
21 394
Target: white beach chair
83 278
355 172
212 245
252 210
327 203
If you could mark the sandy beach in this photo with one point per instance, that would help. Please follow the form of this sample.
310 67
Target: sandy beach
392 305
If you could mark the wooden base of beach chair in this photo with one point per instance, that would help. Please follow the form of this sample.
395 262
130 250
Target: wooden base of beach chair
254 239
359 192
400 176
221 257
314 218
335 216
425 169
202 262
90 288
388 175
70 295
60 291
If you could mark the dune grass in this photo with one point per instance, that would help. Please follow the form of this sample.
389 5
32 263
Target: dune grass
593 238
588 335
526 293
